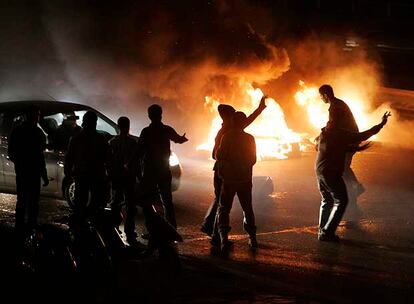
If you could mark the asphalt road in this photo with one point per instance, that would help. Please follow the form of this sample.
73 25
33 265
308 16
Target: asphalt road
374 261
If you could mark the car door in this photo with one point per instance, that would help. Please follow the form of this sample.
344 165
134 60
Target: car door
3 147
13 119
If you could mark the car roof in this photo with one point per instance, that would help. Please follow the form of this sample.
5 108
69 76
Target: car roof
46 107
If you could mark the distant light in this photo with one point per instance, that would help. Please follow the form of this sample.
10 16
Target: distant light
351 43
174 160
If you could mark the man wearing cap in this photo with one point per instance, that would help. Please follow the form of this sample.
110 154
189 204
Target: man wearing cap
236 155
65 131
226 113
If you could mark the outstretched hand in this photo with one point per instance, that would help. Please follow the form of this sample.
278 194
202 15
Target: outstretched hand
385 118
262 104
184 138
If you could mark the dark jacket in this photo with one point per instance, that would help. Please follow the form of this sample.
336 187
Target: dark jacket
334 144
225 127
26 150
341 117
87 155
123 162
154 147
236 156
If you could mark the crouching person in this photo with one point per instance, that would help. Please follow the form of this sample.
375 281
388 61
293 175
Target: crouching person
236 156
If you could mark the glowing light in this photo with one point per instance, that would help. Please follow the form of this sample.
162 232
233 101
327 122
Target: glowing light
273 137
317 110
174 160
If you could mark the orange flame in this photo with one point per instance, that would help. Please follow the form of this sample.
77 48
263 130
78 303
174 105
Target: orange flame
317 110
273 137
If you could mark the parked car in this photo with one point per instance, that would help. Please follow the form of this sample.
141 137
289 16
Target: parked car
53 115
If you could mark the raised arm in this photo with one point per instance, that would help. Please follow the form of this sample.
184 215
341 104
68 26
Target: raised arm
257 112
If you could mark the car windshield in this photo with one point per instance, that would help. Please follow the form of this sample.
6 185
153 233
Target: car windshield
60 127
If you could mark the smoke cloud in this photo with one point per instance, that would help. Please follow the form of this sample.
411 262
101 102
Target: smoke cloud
171 52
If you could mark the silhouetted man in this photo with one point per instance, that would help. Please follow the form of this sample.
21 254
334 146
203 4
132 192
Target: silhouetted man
236 155
332 148
123 170
154 148
226 113
26 146
341 117
65 131
86 161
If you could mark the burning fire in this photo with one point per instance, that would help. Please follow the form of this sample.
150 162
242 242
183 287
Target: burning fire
317 110
273 137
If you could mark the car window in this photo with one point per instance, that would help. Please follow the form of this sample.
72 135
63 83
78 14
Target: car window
60 127
101 125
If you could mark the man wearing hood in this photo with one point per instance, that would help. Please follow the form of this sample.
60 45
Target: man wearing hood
226 113
236 155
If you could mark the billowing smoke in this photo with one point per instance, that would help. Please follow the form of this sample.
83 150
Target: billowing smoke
121 57
356 76
175 52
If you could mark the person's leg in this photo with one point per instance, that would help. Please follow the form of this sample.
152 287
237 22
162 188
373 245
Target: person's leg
336 186
209 222
354 189
129 225
228 192
166 195
327 202
244 193
81 198
33 189
117 197
100 196
20 205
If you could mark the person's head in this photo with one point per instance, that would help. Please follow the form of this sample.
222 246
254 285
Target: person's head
70 119
89 120
226 112
33 114
155 113
123 124
326 92
239 120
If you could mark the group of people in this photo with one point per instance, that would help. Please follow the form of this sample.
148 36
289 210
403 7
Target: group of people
98 167
235 155
139 169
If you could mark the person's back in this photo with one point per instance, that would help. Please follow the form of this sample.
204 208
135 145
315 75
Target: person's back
64 132
123 149
236 155
155 141
341 117
26 146
88 152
